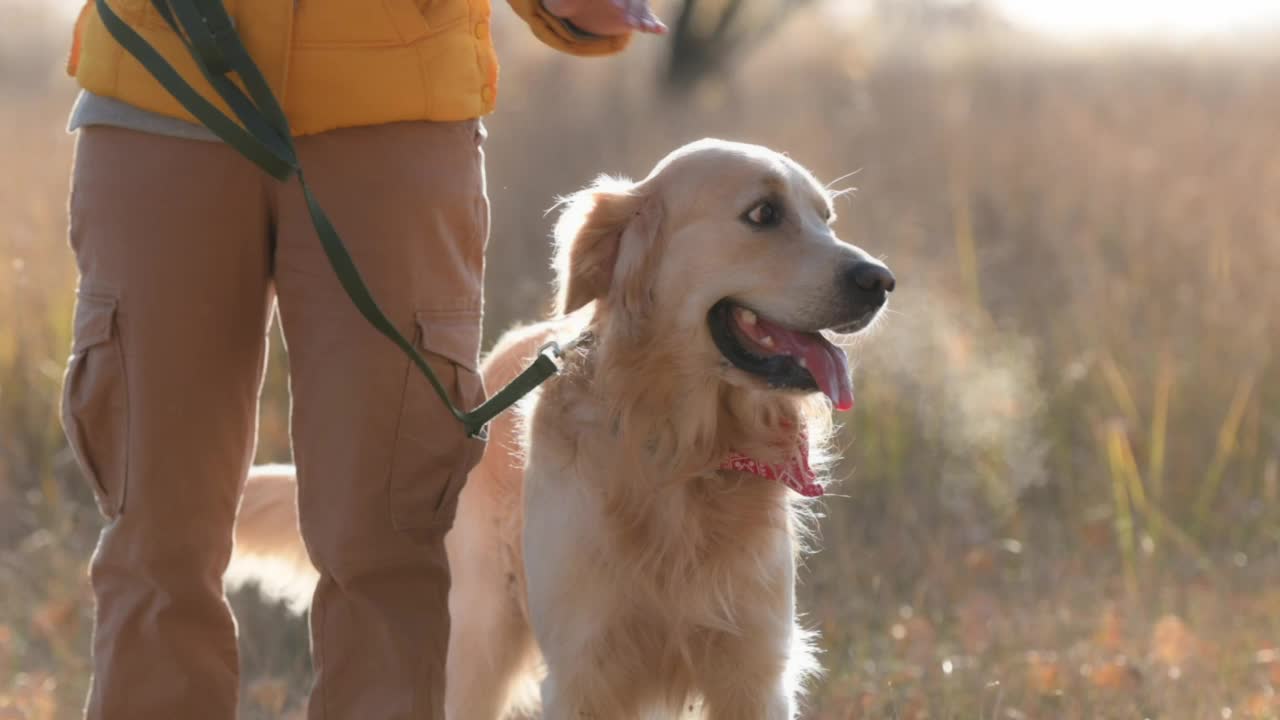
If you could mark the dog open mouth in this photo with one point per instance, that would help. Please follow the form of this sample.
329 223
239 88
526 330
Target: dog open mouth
782 357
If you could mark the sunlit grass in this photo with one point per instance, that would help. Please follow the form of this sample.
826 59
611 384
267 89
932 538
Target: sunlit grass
1061 488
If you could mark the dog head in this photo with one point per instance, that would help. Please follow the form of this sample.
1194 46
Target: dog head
725 250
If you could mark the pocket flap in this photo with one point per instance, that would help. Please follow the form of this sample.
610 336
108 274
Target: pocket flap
453 335
94 321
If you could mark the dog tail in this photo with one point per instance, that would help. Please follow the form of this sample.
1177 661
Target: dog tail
269 551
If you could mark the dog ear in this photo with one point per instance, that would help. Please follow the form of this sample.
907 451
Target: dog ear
604 242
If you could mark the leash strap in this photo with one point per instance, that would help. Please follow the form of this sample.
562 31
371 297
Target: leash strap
263 137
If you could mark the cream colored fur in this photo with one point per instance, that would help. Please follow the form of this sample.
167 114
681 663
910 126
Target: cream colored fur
597 549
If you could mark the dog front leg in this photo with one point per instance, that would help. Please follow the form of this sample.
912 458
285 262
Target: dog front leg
742 678
585 697
743 703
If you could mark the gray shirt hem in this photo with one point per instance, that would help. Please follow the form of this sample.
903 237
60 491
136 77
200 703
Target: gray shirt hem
90 109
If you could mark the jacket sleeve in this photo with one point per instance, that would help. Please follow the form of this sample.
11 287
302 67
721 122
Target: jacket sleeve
562 35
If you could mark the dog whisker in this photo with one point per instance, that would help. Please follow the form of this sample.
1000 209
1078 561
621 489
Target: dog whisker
843 177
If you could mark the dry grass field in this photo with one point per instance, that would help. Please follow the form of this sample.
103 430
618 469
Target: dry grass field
1060 490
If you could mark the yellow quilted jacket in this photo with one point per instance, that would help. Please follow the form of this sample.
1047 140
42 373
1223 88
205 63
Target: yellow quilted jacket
333 63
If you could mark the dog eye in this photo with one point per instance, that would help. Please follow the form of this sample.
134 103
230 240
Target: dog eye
764 214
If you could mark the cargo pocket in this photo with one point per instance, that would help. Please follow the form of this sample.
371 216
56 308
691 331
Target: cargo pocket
433 453
95 403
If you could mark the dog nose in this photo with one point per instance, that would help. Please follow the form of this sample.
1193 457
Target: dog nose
869 282
872 278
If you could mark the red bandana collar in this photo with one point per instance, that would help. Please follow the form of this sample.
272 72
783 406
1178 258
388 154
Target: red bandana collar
795 474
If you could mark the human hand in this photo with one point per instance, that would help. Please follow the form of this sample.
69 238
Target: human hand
607 17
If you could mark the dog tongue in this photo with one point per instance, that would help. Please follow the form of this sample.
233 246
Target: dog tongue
829 367
825 362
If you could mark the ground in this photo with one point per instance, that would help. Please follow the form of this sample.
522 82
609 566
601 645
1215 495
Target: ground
1060 485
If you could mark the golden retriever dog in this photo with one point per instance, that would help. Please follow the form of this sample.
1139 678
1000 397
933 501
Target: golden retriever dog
630 537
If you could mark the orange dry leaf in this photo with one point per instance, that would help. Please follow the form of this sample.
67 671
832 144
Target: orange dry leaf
919 641
979 561
913 708
56 617
1269 659
269 694
1098 533
1115 675
34 696
1110 633
1172 642
1261 705
863 705
1044 673
976 614
6 644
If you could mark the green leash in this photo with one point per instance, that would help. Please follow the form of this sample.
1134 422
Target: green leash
263 136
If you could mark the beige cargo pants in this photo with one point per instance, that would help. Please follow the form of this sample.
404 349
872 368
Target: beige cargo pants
183 249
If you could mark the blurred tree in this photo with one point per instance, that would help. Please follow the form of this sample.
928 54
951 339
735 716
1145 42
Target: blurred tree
935 14
706 33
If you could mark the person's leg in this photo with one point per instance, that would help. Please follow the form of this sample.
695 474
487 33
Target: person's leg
380 460
159 405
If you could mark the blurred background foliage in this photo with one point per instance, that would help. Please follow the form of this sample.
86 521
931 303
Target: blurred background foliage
1059 494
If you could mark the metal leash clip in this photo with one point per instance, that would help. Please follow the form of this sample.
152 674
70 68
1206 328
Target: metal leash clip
556 352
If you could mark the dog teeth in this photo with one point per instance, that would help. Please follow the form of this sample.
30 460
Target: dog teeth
747 317
803 363
767 341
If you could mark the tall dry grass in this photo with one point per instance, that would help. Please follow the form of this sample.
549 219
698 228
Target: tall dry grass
1060 484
